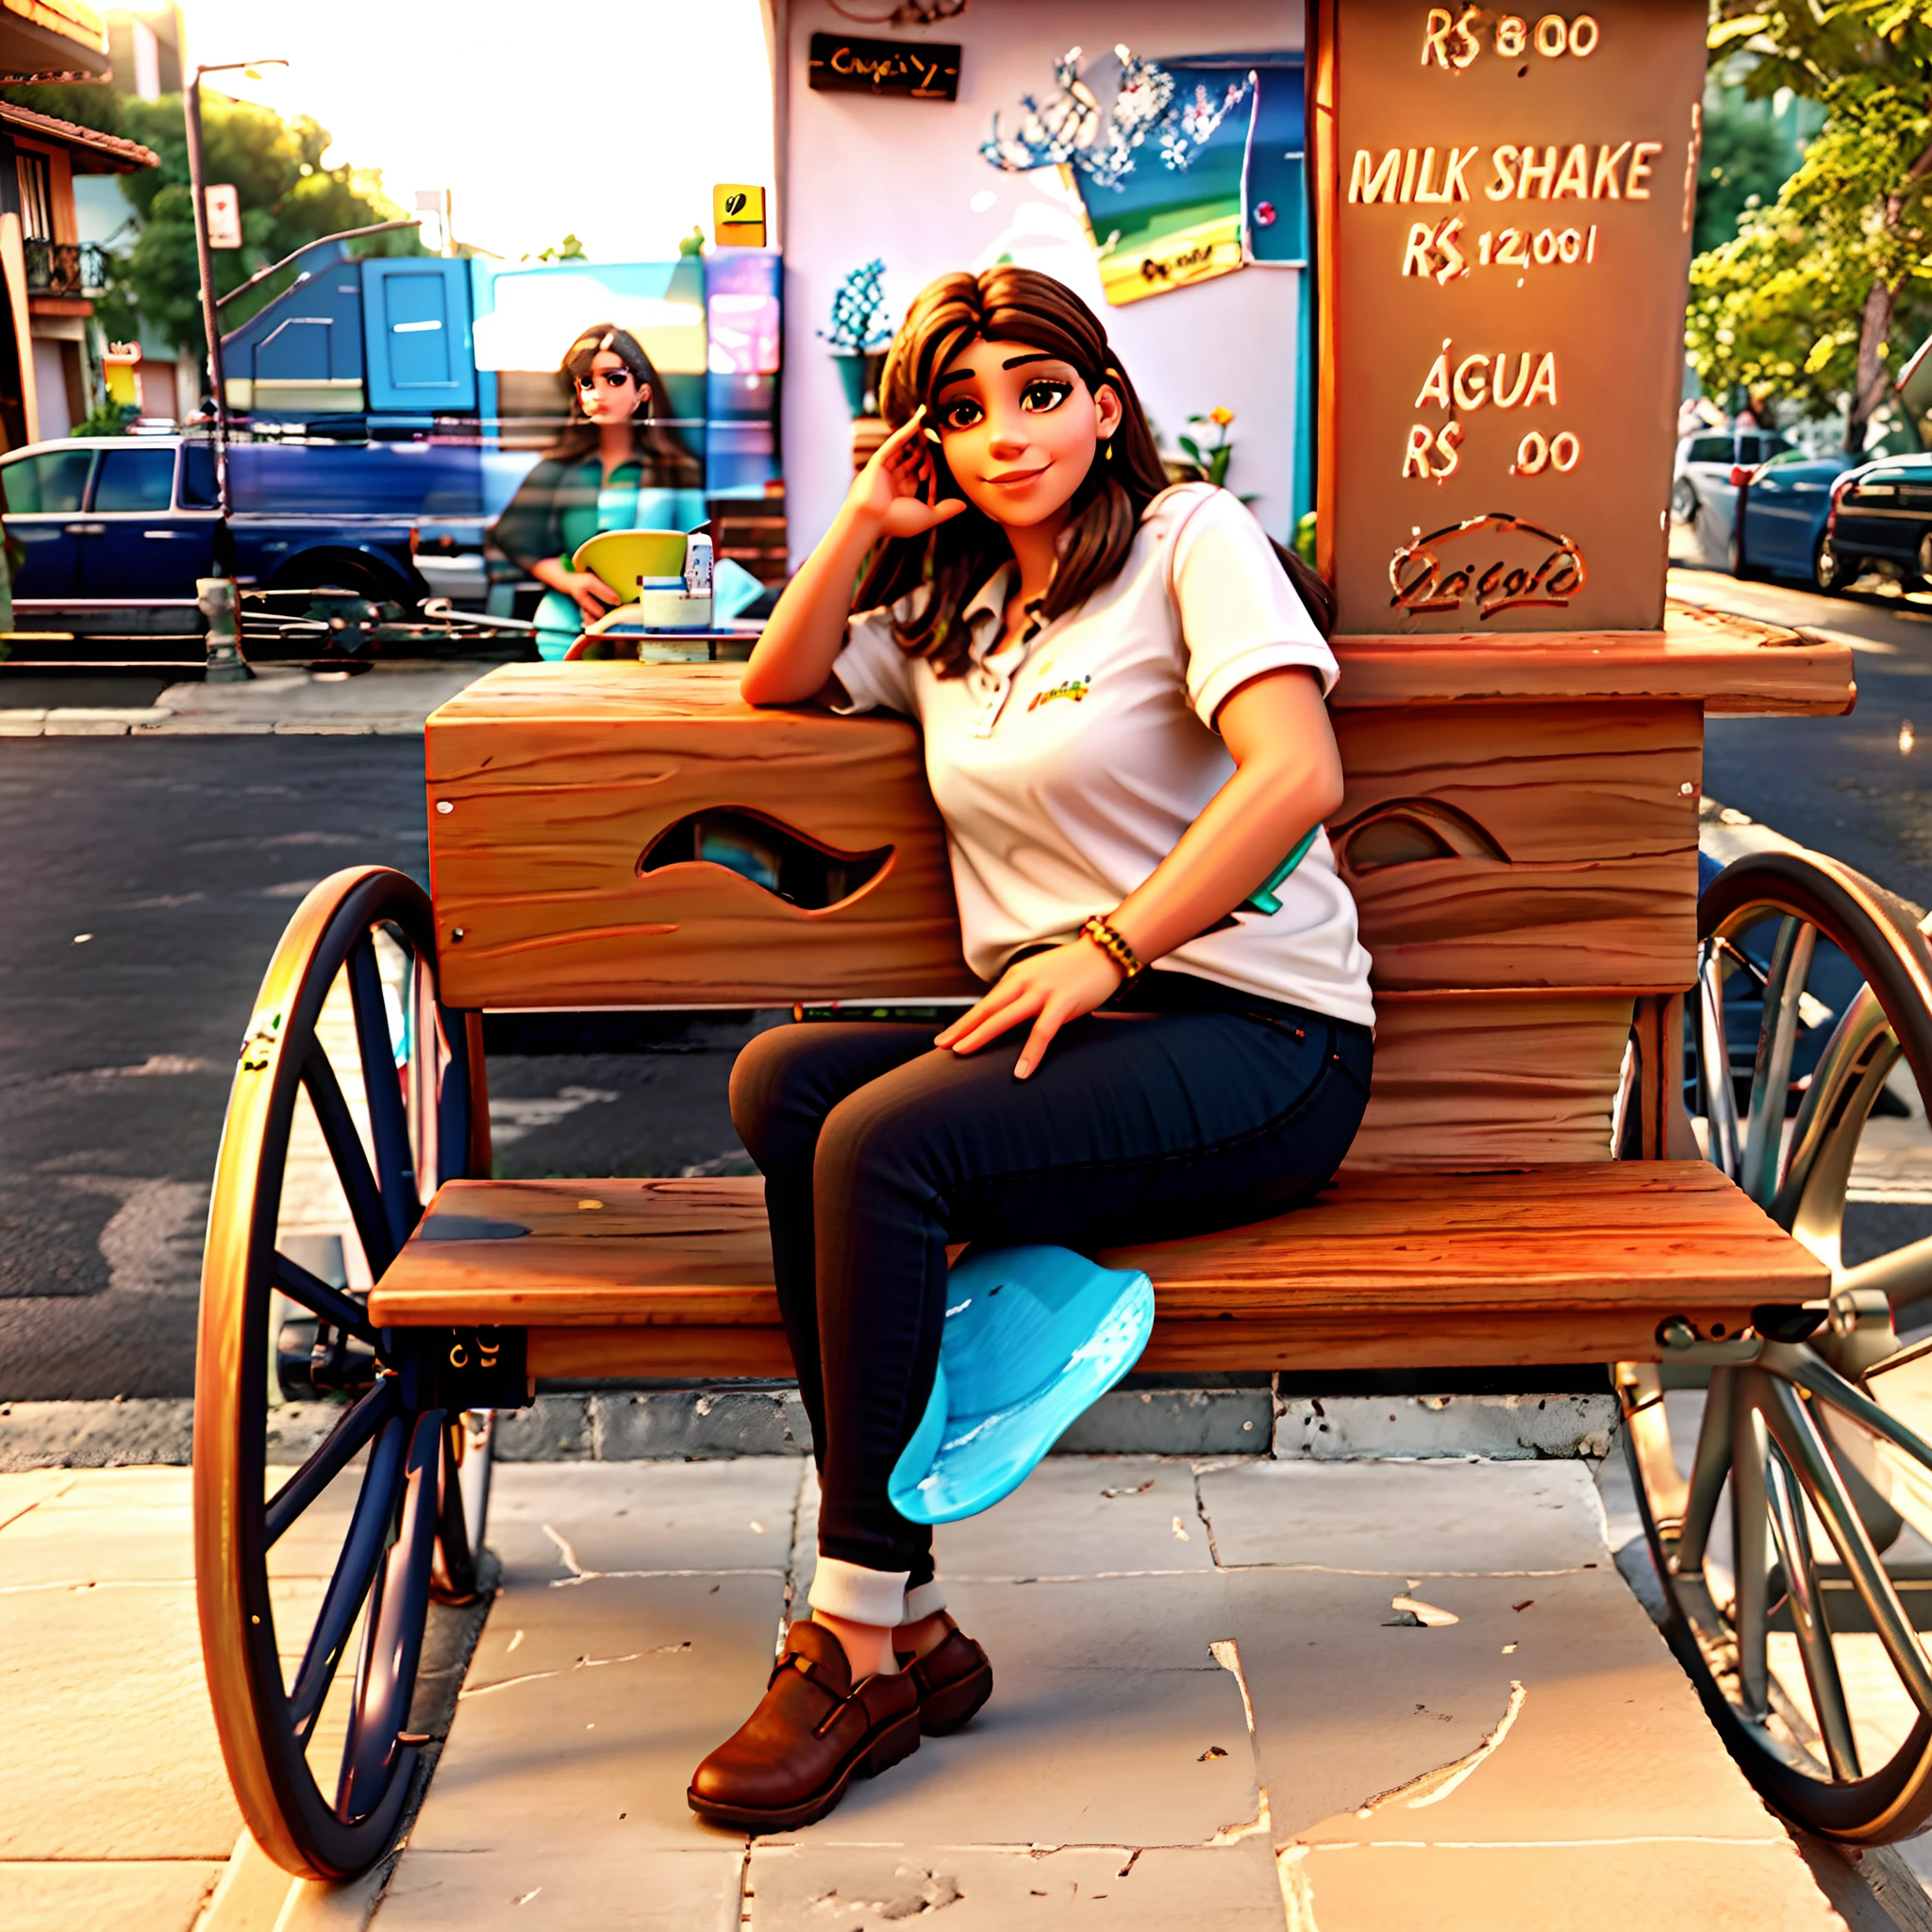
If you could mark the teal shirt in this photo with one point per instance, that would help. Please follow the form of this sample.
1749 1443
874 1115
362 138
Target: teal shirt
561 506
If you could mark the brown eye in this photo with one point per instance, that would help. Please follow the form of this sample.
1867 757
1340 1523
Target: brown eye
1044 394
962 414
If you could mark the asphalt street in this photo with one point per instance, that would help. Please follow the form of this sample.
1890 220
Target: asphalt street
1858 787
143 884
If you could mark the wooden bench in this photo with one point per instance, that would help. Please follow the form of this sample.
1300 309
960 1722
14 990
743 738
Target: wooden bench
1562 1262
1520 833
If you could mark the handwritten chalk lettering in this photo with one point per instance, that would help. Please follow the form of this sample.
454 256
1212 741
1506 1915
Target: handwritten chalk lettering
1477 379
1553 37
1432 453
1534 567
1532 454
1521 170
1518 248
1406 175
1448 42
1424 243
1566 450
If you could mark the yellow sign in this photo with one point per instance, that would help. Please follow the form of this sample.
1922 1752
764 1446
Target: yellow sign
737 215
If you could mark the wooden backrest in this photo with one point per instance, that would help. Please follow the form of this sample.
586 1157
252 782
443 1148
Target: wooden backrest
1519 829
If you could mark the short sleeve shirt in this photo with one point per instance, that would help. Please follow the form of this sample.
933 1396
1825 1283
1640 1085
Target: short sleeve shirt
1067 767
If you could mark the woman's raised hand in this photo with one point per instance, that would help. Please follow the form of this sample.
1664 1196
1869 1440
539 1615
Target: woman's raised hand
896 491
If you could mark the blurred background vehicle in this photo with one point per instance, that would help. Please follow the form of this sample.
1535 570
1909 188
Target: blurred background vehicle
1783 505
1880 518
116 530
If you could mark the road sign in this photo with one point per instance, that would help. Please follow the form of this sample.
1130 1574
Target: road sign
223 215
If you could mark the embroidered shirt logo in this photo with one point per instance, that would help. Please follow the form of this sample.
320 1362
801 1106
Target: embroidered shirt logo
1075 687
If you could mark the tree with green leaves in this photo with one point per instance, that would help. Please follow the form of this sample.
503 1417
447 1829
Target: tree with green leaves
288 198
1819 292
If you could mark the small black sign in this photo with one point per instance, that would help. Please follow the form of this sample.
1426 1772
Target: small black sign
927 71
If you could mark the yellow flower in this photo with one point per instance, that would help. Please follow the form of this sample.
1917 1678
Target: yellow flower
1224 417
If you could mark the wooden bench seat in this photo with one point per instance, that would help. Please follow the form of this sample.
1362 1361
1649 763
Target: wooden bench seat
1572 1261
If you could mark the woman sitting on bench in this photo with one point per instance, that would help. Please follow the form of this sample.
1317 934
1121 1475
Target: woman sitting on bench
1120 695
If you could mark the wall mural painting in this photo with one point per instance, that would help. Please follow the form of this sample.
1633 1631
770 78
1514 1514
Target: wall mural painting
1186 168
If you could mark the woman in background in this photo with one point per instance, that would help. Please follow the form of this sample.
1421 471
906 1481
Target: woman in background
615 467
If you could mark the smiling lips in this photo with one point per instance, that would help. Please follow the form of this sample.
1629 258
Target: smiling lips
1009 477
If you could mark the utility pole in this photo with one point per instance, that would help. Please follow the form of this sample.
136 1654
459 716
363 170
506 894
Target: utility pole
218 595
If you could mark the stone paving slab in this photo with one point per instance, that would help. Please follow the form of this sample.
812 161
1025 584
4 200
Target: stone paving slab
1173 1741
156 1895
801 1888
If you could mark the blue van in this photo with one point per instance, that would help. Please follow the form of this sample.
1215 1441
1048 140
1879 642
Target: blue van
117 529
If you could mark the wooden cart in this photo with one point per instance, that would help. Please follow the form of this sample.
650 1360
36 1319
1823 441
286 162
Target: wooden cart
1520 832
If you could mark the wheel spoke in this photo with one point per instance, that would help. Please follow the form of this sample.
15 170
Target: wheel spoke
341 1446
1649 1432
392 1636
1749 1554
1903 1277
1860 1052
319 1298
369 1534
1797 1435
338 1127
1770 1078
395 1165
1714 1060
1818 1378
1792 1533
1707 1472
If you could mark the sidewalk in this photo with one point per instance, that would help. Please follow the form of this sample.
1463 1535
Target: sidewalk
1208 1712
390 699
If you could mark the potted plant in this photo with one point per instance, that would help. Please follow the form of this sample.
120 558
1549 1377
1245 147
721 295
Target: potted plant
859 335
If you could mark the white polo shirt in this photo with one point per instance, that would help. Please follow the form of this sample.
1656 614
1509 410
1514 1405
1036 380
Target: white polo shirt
1067 768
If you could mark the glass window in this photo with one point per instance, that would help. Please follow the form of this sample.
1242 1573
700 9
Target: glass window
36 197
1709 449
198 477
135 479
52 483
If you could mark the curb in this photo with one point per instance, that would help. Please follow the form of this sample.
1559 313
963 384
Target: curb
694 1425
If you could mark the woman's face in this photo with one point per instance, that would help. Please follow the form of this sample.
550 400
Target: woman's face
608 392
1020 428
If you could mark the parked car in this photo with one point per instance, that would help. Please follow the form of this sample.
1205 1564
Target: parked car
117 529
1881 514
1705 461
1782 508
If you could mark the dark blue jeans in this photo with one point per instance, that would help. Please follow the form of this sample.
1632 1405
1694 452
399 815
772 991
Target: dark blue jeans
878 1151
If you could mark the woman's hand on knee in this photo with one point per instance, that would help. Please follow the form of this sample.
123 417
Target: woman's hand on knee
1049 988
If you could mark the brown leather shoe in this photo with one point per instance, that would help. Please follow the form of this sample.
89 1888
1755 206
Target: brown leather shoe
953 1681
790 1760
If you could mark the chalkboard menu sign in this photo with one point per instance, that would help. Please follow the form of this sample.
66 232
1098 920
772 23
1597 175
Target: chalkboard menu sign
1504 207
924 70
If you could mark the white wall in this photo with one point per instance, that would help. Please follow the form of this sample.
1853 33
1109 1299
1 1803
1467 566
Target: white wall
50 384
903 180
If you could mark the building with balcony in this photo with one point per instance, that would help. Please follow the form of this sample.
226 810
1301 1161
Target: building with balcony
52 350
52 276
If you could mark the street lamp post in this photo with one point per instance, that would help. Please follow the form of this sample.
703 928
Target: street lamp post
218 595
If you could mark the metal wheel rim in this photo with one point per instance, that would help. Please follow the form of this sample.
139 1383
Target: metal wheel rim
1802 1435
411 1507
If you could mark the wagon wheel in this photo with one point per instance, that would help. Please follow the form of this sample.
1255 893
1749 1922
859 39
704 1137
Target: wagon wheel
1788 1499
356 1093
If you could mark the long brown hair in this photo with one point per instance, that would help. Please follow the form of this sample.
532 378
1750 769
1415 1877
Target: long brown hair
667 463
957 559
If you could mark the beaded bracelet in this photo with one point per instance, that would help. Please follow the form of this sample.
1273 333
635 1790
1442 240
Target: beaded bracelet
1112 943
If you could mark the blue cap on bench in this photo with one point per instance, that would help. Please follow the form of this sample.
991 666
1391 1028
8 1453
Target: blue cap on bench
1033 1335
